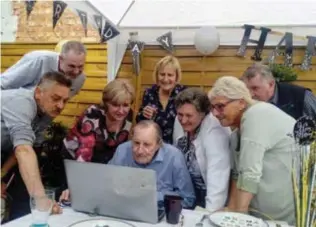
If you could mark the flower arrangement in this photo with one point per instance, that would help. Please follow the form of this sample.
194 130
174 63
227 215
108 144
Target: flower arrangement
283 73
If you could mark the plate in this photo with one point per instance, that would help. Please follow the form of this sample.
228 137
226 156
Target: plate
232 219
101 222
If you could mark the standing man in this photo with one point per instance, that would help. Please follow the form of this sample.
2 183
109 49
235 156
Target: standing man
292 99
24 114
28 71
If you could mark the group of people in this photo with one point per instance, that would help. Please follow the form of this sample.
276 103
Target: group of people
228 149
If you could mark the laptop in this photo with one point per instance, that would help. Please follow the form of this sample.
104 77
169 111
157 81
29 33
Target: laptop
114 191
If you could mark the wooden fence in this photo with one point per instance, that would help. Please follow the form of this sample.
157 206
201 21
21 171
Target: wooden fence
198 71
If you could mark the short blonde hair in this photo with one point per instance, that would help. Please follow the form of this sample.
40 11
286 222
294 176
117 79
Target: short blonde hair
118 91
168 60
231 88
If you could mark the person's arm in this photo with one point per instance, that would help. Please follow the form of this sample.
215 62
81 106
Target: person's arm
8 165
22 136
182 181
21 74
29 169
232 195
216 145
145 101
309 108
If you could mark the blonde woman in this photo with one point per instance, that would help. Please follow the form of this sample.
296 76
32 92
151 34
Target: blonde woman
101 128
262 146
158 101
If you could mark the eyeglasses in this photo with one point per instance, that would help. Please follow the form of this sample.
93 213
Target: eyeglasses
221 106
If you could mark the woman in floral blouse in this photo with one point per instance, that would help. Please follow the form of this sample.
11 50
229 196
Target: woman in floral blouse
101 128
158 101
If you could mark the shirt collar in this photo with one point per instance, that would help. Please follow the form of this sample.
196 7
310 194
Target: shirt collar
275 97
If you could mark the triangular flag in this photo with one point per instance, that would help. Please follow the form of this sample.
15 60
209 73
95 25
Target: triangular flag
109 32
166 41
136 48
29 6
58 10
98 21
84 20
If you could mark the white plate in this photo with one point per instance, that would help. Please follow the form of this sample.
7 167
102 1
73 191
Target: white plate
101 222
232 219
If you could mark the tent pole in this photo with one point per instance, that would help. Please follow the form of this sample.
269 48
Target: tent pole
126 11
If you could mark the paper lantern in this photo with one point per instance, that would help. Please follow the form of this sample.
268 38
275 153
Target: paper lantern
59 45
206 40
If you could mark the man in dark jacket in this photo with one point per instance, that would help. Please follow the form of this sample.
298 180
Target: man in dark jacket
292 99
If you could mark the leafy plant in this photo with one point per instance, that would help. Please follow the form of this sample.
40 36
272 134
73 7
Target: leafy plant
51 160
283 73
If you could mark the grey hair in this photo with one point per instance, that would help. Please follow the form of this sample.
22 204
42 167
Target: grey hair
54 77
148 124
74 46
196 97
231 88
263 71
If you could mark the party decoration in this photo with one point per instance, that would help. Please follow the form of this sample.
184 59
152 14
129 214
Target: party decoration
29 7
58 10
84 20
303 130
166 41
136 48
288 53
304 172
206 40
98 22
109 32
246 39
309 53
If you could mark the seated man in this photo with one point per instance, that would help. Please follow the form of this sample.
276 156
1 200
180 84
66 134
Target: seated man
24 115
146 150
28 71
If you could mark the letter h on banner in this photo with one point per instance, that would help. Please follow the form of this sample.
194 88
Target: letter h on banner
260 43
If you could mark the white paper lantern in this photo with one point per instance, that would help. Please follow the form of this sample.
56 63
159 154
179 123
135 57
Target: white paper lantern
206 40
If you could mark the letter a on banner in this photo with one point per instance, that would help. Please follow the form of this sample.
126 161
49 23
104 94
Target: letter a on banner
58 10
136 48
98 21
309 53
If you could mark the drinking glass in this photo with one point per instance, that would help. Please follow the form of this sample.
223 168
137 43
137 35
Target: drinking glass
41 207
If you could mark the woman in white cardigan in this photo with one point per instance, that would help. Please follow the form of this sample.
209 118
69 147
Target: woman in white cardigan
205 145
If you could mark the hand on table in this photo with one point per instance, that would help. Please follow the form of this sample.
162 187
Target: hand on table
56 208
65 196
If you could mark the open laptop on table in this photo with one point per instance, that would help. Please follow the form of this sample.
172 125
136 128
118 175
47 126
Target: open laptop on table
116 191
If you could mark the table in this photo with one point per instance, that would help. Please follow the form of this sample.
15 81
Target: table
69 216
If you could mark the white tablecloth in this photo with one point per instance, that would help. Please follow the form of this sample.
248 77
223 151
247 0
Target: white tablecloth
69 217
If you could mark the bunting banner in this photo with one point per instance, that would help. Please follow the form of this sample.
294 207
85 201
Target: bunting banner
287 53
309 53
98 22
58 10
136 48
286 50
109 32
29 7
84 20
166 41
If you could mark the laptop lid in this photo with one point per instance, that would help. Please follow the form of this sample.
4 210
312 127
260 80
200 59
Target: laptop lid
116 191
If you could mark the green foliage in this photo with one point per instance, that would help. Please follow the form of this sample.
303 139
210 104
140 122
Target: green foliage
283 73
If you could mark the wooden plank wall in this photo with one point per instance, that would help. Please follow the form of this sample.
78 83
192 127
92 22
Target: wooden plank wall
197 70
95 69
202 71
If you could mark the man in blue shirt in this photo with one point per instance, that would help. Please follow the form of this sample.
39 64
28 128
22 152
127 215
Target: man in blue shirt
146 150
